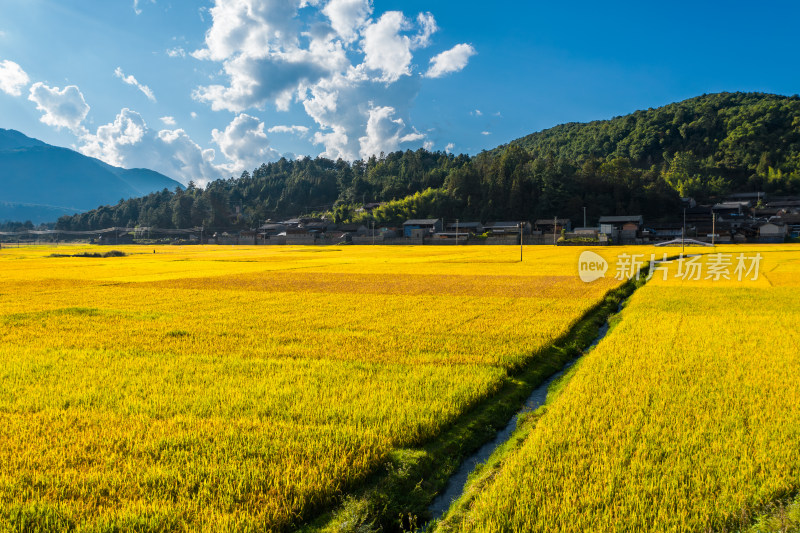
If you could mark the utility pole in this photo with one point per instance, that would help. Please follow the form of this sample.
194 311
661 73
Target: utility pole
373 232
520 242
456 231
713 227
555 223
683 232
584 217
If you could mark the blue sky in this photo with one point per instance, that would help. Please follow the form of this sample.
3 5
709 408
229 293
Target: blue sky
202 90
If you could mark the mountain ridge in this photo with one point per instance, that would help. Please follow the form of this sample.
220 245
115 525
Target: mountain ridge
40 182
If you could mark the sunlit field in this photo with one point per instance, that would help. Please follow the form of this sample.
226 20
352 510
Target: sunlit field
250 387
686 417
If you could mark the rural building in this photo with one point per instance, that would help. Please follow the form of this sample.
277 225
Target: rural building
354 229
389 233
548 225
464 227
772 232
421 226
296 230
623 229
723 228
508 227
766 212
622 223
269 230
317 227
115 237
586 232
792 221
730 210
665 231
698 214
789 204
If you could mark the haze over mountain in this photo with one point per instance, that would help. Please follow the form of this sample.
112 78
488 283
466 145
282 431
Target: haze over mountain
40 182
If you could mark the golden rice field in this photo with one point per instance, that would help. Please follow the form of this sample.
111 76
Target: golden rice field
686 417
246 388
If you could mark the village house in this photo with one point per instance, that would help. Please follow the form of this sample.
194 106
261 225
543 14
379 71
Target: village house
788 204
767 212
665 231
548 225
623 229
698 214
732 210
792 221
772 232
271 230
508 227
354 229
421 227
464 227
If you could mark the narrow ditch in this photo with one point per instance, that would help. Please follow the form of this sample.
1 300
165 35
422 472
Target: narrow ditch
457 482
422 483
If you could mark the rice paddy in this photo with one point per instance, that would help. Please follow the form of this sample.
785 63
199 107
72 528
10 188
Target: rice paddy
686 417
248 388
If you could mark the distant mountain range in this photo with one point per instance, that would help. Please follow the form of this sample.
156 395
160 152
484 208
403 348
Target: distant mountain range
40 182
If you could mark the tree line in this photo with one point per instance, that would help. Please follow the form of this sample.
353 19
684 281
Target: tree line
642 163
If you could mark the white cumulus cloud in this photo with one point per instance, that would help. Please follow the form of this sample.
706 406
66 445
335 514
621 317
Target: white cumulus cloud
449 148
131 80
427 25
254 82
342 108
128 142
12 78
111 141
176 52
336 58
385 133
451 60
244 143
296 130
250 27
168 121
385 49
62 108
348 17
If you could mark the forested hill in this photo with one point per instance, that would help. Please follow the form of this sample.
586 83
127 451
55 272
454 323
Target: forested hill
744 140
641 163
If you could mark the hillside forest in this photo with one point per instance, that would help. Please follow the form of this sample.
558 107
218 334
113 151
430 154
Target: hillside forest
642 163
